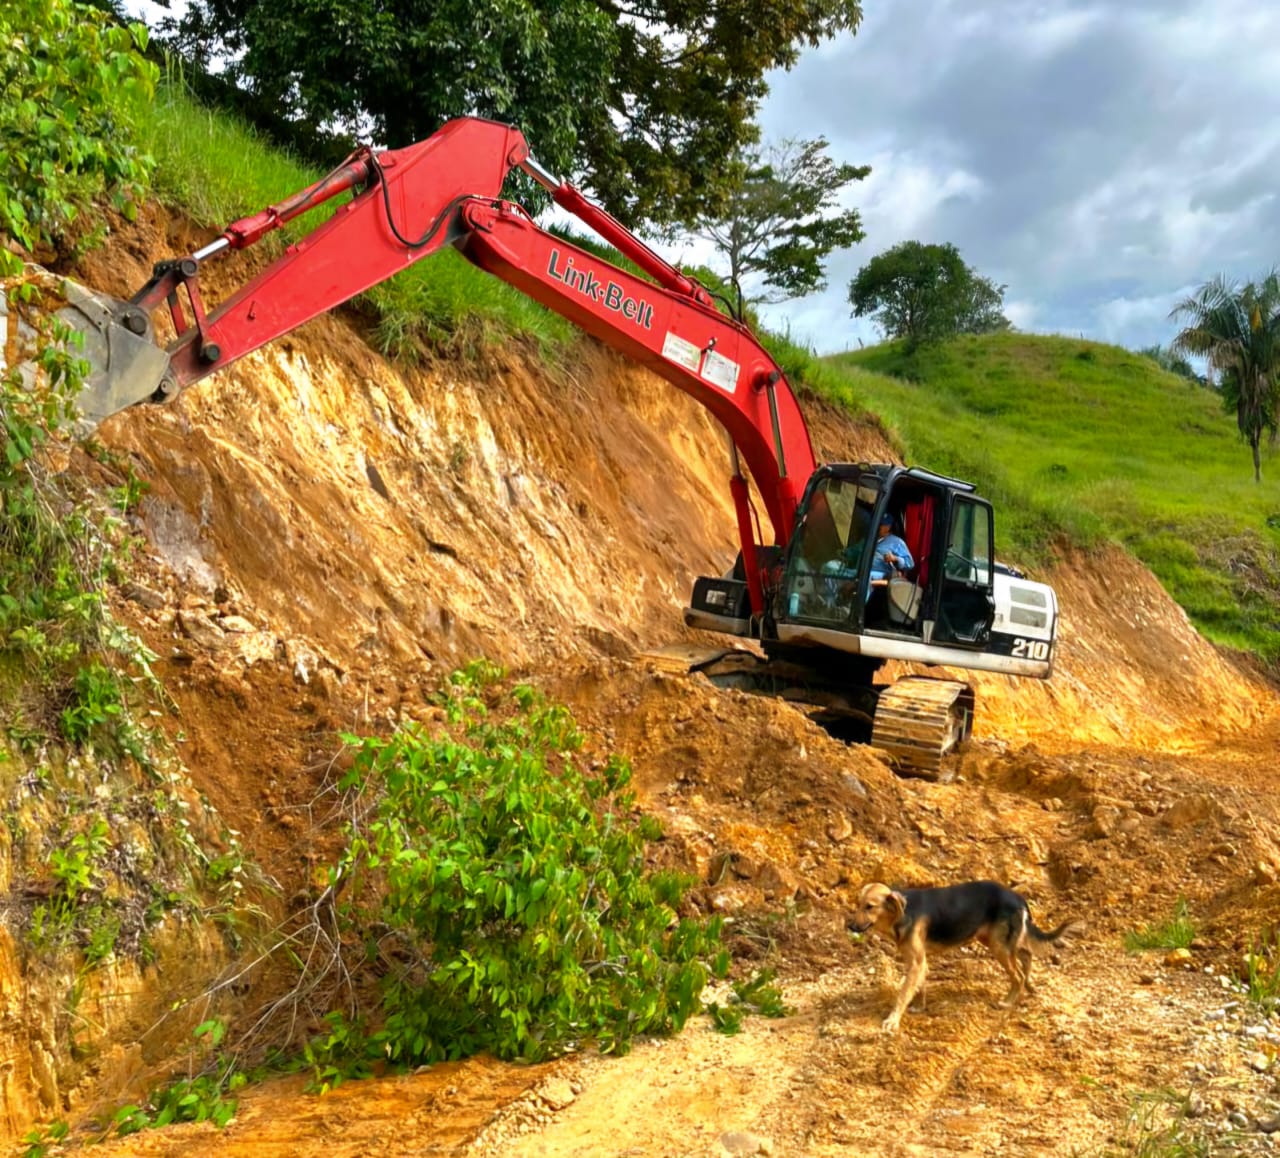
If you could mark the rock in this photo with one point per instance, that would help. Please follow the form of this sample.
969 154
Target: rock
1259 1062
1264 873
1190 810
253 646
738 1142
840 828
149 598
854 785
1178 957
1146 978
728 900
557 1093
199 628
1105 818
302 661
1269 1125
235 623
776 883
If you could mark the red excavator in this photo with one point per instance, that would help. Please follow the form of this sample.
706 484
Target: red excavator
824 605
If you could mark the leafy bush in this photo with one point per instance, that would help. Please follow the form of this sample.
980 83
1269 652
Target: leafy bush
71 79
201 1098
502 888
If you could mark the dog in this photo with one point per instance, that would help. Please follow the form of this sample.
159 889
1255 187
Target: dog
944 918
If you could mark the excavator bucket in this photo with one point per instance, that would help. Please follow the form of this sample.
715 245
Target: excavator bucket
125 364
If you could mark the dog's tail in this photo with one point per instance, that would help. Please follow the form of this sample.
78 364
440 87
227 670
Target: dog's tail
1041 941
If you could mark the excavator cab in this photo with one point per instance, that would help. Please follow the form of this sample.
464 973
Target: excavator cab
945 595
831 620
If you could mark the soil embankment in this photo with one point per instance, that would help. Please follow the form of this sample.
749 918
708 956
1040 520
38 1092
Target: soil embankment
327 535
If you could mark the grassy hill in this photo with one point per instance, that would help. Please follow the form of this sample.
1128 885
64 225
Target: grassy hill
1086 442
1072 441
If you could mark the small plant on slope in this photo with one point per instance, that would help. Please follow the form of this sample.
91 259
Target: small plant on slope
1176 933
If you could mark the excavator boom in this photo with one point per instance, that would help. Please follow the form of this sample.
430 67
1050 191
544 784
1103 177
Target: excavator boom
409 203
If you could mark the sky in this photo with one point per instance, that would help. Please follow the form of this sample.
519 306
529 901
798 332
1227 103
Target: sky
1100 160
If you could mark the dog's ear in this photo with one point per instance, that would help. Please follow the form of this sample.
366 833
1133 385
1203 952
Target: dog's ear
896 903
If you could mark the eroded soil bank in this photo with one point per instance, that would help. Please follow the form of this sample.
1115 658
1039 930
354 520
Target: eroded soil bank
328 535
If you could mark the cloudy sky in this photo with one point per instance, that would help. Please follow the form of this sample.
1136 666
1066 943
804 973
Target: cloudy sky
1100 159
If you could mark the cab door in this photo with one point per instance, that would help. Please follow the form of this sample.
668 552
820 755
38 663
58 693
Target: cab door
966 604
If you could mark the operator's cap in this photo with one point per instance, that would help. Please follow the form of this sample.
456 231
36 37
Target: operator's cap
888 519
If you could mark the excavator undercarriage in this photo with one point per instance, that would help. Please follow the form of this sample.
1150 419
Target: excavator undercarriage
917 721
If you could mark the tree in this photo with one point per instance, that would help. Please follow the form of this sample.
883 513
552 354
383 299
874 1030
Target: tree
1237 330
1169 359
924 293
646 102
782 218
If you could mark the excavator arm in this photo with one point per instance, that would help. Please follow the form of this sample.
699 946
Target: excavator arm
409 203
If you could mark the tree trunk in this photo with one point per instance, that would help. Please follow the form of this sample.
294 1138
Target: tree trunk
1257 462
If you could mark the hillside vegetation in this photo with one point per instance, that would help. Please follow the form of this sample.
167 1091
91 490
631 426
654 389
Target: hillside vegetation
1083 442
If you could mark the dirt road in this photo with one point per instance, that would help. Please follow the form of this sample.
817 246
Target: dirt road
1059 1075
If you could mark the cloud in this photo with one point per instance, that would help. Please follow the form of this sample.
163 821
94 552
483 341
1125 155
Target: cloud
1096 158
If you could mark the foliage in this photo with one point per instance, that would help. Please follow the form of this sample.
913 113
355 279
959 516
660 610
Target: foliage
1176 933
71 80
203 1097
501 889
41 1140
1083 443
757 995
1167 358
924 293
1159 1125
649 99
1237 329
782 218
1262 971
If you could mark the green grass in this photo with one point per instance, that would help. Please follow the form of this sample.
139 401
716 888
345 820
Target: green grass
1159 1125
1262 971
217 169
1176 933
1084 442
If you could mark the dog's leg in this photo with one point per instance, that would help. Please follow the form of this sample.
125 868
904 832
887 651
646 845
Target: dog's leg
1025 957
915 968
1007 955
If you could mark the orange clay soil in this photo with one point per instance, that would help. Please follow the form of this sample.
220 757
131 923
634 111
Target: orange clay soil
327 535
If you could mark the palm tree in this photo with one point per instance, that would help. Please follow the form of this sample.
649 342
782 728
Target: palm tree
1237 331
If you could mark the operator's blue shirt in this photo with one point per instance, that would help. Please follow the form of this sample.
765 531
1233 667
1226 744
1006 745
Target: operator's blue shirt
890 545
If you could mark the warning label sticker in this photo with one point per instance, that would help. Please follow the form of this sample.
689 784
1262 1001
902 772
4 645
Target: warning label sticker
720 371
676 349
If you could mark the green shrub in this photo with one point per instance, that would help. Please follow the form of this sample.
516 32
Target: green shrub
71 80
503 889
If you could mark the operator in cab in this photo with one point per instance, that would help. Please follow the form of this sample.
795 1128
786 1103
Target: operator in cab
891 554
